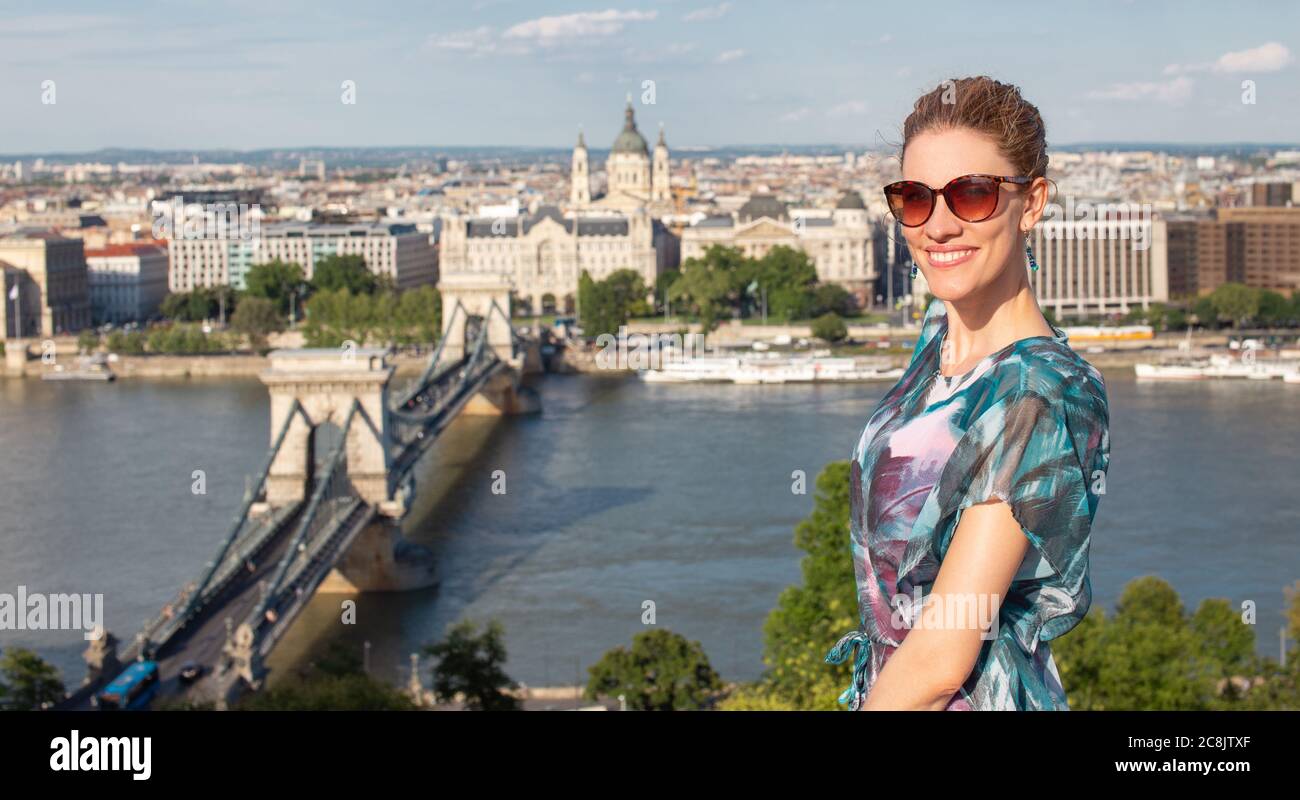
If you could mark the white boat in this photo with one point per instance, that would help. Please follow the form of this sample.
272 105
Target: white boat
1170 372
1216 366
1291 377
89 368
768 368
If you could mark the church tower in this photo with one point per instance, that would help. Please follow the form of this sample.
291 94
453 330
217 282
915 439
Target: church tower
660 191
628 167
580 176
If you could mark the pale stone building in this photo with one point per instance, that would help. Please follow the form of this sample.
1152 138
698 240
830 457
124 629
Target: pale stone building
544 253
395 250
47 274
845 245
127 281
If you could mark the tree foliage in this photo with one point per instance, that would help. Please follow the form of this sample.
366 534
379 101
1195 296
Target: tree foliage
470 664
662 671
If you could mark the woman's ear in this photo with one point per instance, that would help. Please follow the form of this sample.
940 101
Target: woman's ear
1036 197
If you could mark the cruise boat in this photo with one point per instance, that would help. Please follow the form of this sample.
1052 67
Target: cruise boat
89 368
1217 366
771 368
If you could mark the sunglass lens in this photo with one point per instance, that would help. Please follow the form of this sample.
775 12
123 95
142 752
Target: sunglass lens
910 203
974 198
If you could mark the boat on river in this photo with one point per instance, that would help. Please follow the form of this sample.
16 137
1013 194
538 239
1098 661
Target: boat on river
88 368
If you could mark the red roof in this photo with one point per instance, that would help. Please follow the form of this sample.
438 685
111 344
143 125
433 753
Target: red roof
128 249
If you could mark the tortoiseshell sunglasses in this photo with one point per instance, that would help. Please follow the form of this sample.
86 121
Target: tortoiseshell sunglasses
972 198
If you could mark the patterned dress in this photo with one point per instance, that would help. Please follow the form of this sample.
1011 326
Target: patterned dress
1028 425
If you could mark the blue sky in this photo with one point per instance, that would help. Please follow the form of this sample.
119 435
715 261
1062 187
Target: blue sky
241 74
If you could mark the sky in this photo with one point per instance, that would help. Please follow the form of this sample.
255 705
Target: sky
276 73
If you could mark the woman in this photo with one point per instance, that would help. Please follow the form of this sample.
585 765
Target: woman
976 479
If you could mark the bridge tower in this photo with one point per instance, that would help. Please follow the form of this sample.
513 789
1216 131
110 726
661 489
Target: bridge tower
317 387
485 300
323 383
476 294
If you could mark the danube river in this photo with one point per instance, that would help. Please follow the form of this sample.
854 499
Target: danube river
619 493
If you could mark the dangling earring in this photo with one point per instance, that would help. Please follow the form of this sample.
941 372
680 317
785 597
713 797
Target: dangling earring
1033 264
912 272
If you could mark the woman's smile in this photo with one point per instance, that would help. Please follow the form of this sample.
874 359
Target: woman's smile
944 256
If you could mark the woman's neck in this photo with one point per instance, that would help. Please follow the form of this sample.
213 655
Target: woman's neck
984 324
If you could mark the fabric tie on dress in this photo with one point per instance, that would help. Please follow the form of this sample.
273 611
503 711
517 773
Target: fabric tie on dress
837 655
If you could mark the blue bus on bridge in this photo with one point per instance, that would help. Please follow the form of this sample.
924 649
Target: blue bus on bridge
132 690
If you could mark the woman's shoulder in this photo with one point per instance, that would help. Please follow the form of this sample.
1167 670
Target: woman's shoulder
1048 369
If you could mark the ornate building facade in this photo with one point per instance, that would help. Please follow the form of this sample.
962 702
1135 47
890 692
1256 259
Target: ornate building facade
845 245
544 253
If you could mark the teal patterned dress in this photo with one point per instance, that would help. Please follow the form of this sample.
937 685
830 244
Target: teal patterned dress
1028 425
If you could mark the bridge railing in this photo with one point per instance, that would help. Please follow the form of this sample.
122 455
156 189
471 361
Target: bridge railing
428 375
244 539
333 498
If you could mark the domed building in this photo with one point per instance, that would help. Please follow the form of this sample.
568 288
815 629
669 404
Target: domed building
634 179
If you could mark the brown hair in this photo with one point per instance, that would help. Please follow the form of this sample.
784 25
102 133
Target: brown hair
989 107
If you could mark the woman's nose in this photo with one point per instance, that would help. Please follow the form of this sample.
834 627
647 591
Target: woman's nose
942 224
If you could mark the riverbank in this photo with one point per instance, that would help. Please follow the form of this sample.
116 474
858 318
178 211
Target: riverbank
208 365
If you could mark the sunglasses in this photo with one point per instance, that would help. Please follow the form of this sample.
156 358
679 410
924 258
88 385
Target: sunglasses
972 198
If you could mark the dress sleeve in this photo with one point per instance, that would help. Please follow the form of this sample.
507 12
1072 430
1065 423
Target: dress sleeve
1047 460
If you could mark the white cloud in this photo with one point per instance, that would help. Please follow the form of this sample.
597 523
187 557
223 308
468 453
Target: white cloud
583 25
886 38
728 56
1171 92
796 115
712 12
479 40
850 108
1269 57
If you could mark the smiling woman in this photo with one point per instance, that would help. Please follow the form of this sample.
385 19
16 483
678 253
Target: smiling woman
978 475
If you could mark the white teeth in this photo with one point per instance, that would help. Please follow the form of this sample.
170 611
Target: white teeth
952 255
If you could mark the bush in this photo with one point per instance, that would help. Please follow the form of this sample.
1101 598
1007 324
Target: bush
829 327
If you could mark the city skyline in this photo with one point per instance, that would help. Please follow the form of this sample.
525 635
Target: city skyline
510 74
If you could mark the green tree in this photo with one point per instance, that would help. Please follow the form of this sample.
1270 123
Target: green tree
124 343
829 327
710 286
333 681
833 298
28 682
810 617
277 281
256 318
1207 314
663 671
1274 309
349 272
87 341
1236 302
470 664
329 693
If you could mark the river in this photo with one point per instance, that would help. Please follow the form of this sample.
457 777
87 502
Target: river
619 493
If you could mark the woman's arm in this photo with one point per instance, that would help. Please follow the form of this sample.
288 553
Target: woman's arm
937 655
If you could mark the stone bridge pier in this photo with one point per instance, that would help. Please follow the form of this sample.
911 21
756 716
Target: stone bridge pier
323 383
477 294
